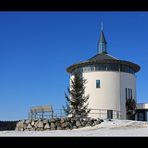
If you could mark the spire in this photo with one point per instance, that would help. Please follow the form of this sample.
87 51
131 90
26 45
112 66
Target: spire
102 44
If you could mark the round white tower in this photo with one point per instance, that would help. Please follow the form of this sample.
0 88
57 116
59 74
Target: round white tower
110 82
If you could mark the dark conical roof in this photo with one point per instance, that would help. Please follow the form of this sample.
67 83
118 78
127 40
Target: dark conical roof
102 38
102 56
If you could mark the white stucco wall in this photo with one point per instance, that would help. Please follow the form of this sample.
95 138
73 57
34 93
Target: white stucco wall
127 81
111 94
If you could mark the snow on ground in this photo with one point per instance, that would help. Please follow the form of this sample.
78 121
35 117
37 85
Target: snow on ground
106 128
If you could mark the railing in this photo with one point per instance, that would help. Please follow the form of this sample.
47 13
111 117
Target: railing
94 113
59 113
103 113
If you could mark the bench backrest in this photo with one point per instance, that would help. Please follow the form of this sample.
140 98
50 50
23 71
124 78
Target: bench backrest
39 109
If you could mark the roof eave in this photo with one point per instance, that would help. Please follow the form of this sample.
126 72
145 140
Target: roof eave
135 67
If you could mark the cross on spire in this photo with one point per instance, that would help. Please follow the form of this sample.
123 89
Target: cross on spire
102 26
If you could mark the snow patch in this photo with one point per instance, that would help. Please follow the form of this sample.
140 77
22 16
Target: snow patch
107 128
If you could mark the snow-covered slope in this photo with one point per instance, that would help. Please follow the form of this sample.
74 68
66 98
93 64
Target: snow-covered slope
106 128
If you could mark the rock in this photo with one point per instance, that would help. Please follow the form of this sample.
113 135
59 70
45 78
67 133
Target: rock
65 124
32 123
83 123
16 129
29 126
32 129
78 124
21 129
36 124
67 128
53 128
98 122
70 125
27 121
67 119
45 121
59 128
40 124
92 122
41 129
25 126
53 125
47 126
76 119
72 120
52 120
37 129
81 120
62 120
20 124
58 124
74 127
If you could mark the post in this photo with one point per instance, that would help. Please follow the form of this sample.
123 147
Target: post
61 113
35 115
42 114
29 116
52 114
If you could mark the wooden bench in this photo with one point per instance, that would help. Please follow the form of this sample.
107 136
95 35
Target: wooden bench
39 112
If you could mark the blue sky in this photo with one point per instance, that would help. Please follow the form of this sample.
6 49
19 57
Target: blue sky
37 47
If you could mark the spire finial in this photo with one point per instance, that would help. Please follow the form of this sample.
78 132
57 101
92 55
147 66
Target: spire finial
101 25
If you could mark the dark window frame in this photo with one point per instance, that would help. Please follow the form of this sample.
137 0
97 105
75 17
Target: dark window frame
97 83
126 94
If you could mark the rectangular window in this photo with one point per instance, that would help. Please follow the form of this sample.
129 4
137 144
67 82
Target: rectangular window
97 83
112 67
129 93
126 93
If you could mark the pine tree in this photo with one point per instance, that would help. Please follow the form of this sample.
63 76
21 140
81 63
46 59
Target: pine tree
76 102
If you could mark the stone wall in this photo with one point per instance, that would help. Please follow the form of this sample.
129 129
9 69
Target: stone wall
56 124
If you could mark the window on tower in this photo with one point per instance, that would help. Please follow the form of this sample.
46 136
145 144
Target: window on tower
128 93
99 67
97 83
